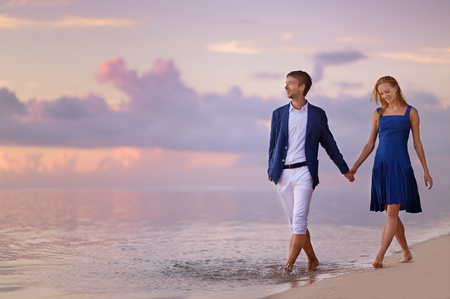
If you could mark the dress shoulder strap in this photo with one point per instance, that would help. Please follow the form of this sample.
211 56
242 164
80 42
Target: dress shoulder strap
379 112
408 110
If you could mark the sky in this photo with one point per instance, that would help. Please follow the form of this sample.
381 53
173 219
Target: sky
180 93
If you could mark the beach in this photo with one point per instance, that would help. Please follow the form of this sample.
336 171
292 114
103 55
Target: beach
427 276
208 244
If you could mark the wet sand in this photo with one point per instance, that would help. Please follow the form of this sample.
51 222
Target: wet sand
427 276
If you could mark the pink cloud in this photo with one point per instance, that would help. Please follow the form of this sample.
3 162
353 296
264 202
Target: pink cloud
124 166
123 157
17 165
37 163
116 72
154 89
163 112
65 162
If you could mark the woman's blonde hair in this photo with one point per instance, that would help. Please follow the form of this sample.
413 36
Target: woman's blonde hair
378 99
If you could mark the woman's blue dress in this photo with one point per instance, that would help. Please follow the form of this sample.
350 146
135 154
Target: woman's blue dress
393 180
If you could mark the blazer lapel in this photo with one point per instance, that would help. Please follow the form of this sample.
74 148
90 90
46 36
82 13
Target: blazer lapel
285 120
311 115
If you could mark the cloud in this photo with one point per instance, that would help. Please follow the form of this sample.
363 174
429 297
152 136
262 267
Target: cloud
355 40
287 36
297 49
68 22
127 166
10 105
84 22
162 112
34 164
428 55
233 47
323 60
338 57
267 76
13 23
442 51
210 138
36 3
124 157
162 80
66 108
352 85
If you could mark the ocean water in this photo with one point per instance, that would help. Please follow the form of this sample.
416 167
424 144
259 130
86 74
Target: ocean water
192 242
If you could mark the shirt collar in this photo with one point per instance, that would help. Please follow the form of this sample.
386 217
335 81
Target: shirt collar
303 109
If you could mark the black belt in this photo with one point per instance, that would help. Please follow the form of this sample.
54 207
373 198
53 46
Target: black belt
295 165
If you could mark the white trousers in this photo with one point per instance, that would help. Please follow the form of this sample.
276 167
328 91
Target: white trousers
296 188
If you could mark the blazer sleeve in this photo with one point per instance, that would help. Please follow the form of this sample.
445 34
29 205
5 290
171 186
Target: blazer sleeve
329 144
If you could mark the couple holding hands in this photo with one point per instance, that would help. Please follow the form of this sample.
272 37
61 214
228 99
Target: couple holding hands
299 127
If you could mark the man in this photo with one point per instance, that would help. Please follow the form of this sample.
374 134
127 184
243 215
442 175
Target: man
296 131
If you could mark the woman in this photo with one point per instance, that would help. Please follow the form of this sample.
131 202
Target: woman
394 186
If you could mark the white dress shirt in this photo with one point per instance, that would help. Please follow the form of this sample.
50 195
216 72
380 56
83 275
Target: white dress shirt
297 134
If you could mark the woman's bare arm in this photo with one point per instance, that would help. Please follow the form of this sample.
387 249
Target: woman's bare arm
415 128
368 148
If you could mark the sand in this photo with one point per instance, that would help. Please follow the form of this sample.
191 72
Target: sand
427 276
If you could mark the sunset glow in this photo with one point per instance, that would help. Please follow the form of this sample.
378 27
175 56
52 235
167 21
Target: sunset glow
108 93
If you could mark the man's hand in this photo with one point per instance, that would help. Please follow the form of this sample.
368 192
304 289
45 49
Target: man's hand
350 176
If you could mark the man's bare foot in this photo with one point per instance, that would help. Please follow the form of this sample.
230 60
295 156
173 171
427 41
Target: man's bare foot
406 258
312 265
288 268
377 264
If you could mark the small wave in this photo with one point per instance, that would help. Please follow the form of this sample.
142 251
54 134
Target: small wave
242 271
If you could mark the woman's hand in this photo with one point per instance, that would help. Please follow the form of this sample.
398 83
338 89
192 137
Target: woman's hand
428 180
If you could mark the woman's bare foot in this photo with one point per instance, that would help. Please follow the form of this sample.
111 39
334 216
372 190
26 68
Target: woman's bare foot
378 262
312 265
406 258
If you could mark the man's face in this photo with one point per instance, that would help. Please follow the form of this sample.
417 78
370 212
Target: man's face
293 90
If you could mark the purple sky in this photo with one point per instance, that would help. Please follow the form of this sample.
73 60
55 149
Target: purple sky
115 85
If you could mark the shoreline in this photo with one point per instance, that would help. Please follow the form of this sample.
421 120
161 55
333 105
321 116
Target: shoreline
426 276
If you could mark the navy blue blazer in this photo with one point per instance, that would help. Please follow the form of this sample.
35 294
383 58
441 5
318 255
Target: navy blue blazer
317 131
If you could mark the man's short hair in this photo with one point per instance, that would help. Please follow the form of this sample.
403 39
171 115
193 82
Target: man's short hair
303 78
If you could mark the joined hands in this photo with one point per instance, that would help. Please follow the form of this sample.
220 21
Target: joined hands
350 175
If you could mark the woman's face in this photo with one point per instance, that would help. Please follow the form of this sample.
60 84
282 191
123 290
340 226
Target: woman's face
388 92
